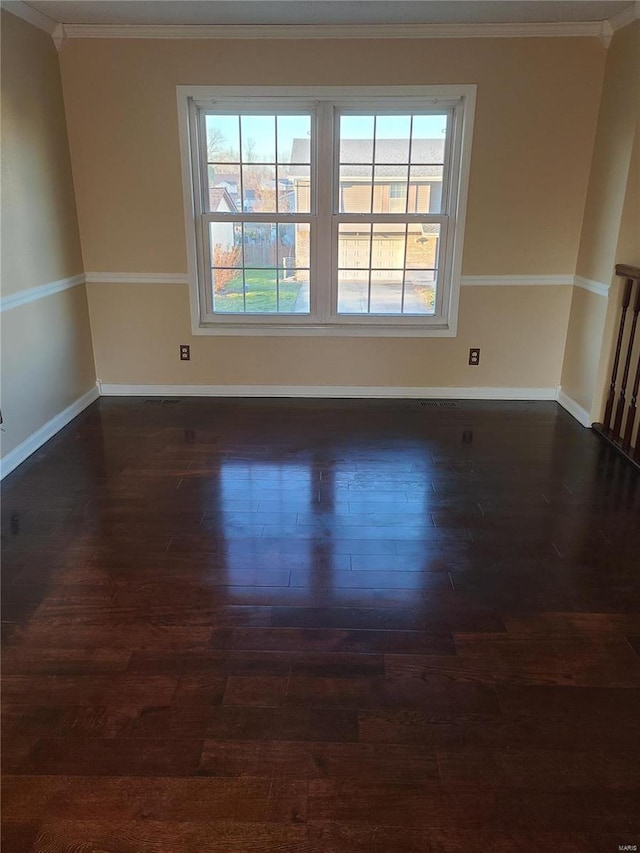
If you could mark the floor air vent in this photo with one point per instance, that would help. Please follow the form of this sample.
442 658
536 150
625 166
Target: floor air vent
438 404
157 401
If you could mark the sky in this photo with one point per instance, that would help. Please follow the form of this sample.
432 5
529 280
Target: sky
259 132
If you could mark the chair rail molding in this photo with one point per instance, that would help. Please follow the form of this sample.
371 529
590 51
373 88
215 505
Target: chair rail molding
598 287
24 297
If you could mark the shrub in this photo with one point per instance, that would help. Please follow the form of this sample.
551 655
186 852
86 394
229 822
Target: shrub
223 260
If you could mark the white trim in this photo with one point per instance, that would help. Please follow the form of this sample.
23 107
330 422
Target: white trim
23 297
617 22
59 37
327 391
625 17
466 281
31 15
136 278
566 29
331 330
339 95
461 99
61 32
569 404
18 455
592 286
516 280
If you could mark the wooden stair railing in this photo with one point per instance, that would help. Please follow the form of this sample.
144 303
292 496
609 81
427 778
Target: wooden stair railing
615 428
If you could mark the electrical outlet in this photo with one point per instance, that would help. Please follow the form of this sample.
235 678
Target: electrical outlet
474 356
185 352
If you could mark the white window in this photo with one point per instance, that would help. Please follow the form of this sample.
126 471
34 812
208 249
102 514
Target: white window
325 211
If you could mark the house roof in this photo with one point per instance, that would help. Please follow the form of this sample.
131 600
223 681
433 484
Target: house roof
427 156
217 195
226 178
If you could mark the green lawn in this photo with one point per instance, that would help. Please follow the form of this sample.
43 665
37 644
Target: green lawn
260 294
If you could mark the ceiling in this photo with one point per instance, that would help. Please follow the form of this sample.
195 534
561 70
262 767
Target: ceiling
326 12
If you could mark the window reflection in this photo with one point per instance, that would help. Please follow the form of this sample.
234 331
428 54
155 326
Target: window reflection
342 528
259 507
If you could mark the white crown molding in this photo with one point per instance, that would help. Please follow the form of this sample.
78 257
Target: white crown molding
626 17
617 22
575 409
327 391
18 455
31 15
516 280
24 297
37 19
564 29
61 33
136 278
59 37
592 286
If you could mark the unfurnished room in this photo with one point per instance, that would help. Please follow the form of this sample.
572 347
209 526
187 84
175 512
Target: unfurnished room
320 446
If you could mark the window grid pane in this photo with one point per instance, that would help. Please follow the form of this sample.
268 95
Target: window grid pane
387 268
260 267
262 161
259 163
396 153
259 290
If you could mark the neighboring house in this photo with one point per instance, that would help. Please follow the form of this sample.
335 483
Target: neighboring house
220 201
263 244
397 189
257 198
230 183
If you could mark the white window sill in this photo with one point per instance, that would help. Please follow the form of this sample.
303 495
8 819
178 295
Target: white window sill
356 330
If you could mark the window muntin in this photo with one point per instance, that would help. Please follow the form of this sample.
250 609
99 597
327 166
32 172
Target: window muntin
387 268
391 164
384 157
251 156
402 271
257 261
253 267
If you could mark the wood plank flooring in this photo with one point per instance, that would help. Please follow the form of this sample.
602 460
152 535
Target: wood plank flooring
321 627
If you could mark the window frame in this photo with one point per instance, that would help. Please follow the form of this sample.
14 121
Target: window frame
198 110
325 103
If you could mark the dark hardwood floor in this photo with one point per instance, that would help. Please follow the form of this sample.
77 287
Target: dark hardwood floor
321 627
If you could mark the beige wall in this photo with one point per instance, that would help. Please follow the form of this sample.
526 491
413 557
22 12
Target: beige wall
38 203
150 321
586 325
47 358
535 123
611 227
628 248
617 122
47 362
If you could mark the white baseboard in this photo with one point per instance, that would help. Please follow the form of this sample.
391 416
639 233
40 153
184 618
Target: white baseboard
48 430
581 415
16 456
335 391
